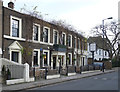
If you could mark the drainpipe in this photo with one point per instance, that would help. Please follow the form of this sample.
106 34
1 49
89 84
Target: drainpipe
1 28
3 33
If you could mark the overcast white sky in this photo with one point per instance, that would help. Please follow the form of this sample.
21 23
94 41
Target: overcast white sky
82 14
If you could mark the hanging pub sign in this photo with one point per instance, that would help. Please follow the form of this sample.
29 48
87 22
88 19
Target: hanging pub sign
92 47
0 51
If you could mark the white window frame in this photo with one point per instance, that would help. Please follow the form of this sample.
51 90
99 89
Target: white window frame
79 43
57 36
20 26
65 37
38 32
71 58
48 34
48 57
75 56
100 52
38 57
20 55
70 40
75 42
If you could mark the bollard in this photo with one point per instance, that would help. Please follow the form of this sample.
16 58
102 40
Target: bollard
88 67
103 67
67 70
75 69
34 73
46 73
93 67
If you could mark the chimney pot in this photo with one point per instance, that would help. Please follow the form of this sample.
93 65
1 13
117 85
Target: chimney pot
11 5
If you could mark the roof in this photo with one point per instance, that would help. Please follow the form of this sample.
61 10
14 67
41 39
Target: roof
99 42
76 33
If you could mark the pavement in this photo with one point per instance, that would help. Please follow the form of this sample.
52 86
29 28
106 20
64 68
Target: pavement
40 83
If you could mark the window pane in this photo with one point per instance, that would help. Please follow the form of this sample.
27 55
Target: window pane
15 57
69 59
63 40
69 41
15 28
75 43
46 35
45 58
35 32
55 37
35 57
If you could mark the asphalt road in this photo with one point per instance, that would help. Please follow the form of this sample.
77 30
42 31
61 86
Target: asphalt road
107 81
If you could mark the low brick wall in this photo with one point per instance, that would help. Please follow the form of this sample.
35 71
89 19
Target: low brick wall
85 68
97 67
108 65
42 73
71 69
78 69
91 67
52 72
63 71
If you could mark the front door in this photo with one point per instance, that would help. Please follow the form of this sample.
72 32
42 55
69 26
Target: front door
54 62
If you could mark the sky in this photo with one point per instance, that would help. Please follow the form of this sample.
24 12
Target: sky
82 14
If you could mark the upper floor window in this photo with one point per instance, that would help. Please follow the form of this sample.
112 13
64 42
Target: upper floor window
99 52
36 32
64 39
75 40
78 43
105 53
69 40
15 27
96 51
55 37
46 35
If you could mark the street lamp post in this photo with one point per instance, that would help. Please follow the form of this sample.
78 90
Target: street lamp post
103 36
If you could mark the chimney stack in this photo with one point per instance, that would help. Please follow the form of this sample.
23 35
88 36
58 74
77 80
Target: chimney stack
11 5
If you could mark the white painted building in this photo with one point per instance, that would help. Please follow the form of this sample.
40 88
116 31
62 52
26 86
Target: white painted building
98 53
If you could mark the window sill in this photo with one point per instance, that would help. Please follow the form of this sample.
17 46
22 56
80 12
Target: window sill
14 38
70 47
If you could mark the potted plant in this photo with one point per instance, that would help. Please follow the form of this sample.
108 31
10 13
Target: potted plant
43 55
3 70
74 59
68 58
8 74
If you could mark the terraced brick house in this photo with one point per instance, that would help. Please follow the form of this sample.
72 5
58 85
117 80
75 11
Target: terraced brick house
39 43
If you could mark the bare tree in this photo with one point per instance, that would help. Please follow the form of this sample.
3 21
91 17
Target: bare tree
110 33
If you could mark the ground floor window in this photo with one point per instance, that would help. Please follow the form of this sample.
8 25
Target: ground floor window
46 58
15 52
35 57
75 60
15 56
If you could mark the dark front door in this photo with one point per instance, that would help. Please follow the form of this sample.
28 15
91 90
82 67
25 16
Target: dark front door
83 61
54 62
